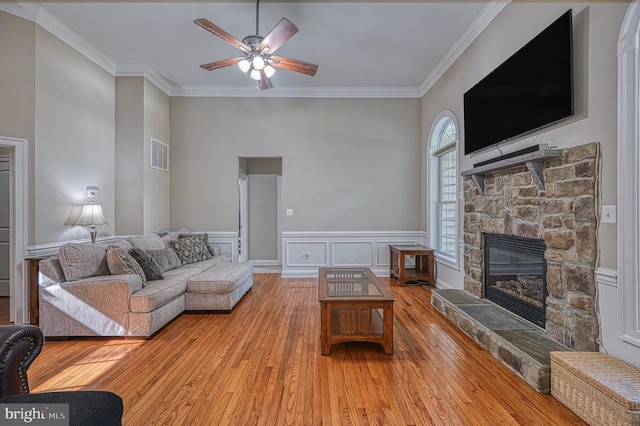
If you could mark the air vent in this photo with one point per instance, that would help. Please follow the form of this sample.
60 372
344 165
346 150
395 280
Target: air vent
159 155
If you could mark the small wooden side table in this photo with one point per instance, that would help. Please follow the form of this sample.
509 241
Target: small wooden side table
425 265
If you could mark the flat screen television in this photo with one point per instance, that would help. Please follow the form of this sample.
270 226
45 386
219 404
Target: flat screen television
530 90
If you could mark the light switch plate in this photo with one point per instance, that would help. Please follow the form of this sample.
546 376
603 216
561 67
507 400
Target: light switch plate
289 212
608 214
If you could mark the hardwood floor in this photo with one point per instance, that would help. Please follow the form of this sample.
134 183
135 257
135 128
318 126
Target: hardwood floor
261 364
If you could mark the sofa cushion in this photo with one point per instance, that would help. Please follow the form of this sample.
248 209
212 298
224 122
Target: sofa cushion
167 258
191 249
122 243
160 292
222 278
147 242
120 262
206 264
151 269
80 261
167 237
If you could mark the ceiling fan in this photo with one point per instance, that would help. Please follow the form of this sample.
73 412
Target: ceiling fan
259 59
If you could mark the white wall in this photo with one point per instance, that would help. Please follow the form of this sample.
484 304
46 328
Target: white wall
347 164
74 138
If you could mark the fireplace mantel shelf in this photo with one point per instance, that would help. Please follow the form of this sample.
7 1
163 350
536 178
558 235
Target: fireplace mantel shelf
533 160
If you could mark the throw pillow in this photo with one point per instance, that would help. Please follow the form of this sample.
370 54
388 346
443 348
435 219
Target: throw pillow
167 258
80 261
205 240
121 262
151 269
191 249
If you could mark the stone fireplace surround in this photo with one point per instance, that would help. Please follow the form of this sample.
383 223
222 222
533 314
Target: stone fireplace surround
563 215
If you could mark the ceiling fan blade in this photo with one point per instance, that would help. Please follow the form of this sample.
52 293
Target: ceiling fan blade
216 30
220 64
278 35
264 83
293 65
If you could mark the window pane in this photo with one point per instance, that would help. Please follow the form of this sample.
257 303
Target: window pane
446 188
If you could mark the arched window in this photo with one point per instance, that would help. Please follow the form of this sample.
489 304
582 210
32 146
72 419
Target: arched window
443 190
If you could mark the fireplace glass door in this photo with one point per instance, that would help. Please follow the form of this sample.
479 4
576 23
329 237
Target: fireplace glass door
515 275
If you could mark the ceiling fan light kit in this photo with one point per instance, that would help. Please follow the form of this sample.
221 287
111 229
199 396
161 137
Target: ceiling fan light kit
258 59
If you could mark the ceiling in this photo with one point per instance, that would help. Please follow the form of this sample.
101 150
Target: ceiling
382 49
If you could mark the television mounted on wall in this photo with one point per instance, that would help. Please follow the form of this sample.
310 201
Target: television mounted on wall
530 90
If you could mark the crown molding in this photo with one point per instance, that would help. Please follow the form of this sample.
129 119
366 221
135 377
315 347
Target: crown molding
489 12
26 11
143 70
48 22
292 92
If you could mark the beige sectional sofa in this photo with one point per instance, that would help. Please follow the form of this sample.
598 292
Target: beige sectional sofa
79 295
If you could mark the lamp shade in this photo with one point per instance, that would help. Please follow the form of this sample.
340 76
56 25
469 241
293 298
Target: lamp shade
91 215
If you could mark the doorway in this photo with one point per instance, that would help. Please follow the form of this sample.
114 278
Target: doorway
5 241
260 187
16 150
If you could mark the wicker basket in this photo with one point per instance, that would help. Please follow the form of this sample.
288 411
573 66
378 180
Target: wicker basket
599 388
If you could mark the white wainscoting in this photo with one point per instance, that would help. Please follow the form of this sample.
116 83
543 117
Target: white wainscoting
305 252
227 241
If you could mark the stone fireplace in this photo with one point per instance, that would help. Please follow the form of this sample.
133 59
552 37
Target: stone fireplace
561 213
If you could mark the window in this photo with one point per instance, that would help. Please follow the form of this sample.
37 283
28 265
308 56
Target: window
443 190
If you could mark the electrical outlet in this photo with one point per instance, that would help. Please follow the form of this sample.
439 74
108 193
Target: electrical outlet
608 214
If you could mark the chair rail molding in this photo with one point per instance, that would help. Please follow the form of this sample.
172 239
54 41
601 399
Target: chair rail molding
306 251
227 241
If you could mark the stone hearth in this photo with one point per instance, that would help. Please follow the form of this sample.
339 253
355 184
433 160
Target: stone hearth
518 344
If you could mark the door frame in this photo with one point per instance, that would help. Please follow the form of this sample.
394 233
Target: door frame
243 194
18 232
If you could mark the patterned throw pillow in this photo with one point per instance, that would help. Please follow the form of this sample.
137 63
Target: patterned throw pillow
191 249
167 258
151 269
121 262
205 239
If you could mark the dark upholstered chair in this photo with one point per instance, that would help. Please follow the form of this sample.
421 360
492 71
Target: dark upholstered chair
19 347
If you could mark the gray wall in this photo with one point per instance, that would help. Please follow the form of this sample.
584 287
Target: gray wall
156 182
347 164
142 195
262 217
596 29
74 138
18 92
129 155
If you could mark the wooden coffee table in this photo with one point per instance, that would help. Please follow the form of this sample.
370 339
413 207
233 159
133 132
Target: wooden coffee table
355 306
